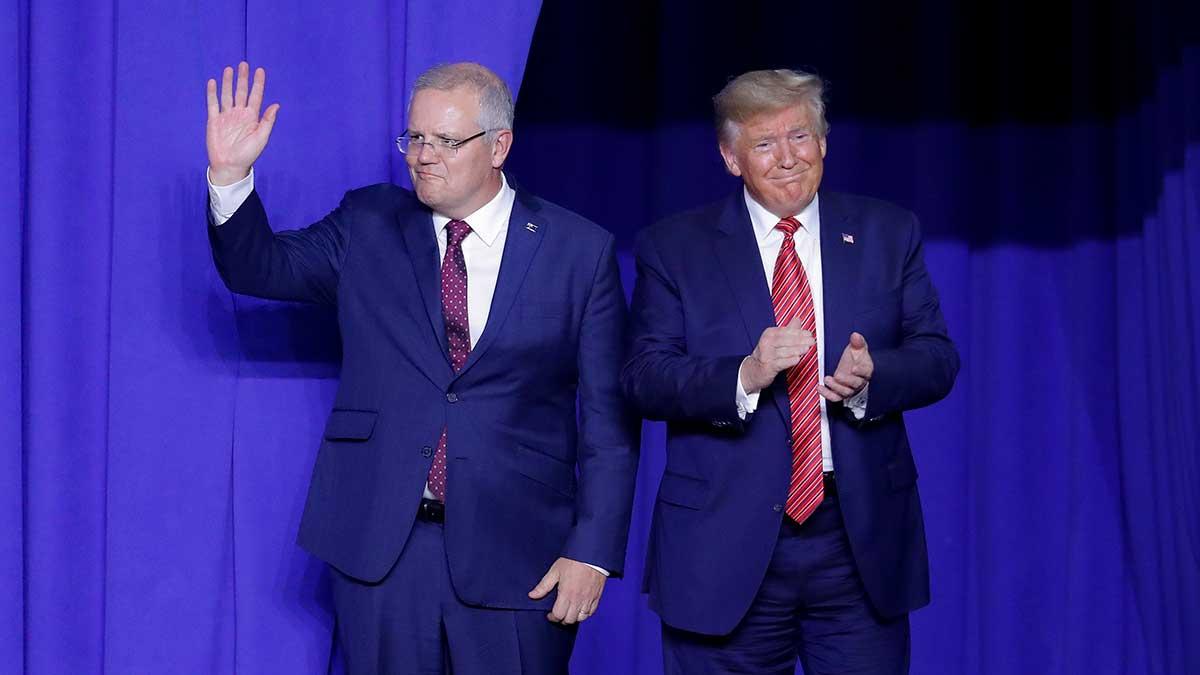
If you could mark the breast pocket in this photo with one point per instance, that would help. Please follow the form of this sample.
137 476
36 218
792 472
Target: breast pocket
879 318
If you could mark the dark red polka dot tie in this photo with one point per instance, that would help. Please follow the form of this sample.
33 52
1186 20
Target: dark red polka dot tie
458 331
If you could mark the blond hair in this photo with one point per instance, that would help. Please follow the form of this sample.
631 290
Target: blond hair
765 91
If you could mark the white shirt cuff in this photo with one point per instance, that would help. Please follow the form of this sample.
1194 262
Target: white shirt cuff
746 403
601 570
858 403
225 200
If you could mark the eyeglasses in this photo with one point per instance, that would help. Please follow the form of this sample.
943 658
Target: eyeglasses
441 146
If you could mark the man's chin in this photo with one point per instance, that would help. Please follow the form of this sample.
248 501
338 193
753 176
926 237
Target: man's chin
426 196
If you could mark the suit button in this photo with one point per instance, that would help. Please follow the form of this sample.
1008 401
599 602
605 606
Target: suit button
777 508
427 451
452 397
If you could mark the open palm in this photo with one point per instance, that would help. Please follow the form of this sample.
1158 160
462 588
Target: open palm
236 134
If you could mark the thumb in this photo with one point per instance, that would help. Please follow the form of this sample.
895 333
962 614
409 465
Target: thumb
544 586
857 341
268 118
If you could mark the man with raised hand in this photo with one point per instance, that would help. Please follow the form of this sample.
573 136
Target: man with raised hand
468 518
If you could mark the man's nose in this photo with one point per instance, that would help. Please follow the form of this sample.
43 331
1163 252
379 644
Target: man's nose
427 155
787 155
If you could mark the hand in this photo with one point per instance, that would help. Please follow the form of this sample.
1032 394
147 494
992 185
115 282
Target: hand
853 372
778 349
235 135
579 589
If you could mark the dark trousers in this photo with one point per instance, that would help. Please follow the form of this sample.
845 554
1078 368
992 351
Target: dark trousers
412 623
811 606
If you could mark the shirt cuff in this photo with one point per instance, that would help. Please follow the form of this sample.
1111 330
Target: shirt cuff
858 403
748 403
225 200
601 570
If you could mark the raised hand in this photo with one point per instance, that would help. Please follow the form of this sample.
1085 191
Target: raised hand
235 134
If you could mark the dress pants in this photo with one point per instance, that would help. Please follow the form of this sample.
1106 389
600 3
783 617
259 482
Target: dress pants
811 607
412 623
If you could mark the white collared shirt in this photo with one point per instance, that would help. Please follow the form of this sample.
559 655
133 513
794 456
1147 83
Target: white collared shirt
482 249
808 248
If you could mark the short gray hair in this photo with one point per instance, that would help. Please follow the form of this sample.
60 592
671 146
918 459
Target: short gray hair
495 100
765 91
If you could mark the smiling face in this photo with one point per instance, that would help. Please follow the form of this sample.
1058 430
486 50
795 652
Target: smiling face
458 185
779 157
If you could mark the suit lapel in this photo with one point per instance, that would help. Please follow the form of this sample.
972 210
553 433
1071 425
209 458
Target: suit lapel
736 248
840 265
520 244
417 226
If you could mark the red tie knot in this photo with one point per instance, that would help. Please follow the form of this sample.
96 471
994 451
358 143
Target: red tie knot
458 230
788 226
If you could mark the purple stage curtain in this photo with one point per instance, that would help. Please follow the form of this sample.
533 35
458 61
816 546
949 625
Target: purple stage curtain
159 432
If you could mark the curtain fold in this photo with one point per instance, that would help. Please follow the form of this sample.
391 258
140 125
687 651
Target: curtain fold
162 430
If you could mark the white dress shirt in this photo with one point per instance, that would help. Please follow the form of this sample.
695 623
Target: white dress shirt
808 248
483 249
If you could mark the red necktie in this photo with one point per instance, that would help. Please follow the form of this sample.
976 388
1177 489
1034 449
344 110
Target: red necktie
792 300
458 331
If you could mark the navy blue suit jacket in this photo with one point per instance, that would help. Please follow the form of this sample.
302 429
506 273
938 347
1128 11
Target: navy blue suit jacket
527 482
700 304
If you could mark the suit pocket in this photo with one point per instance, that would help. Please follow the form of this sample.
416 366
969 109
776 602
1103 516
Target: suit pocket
553 473
350 425
682 490
902 473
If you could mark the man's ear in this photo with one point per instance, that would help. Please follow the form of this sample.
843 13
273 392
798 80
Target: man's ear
500 147
731 163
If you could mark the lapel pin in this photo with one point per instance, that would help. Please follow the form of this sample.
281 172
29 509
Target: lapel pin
531 227
847 238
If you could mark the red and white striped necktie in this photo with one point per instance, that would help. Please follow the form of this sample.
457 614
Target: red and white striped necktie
792 300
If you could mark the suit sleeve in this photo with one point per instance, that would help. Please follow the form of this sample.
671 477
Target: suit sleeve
608 442
921 370
660 378
300 265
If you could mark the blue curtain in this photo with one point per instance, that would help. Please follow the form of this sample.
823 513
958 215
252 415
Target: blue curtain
1052 152
159 432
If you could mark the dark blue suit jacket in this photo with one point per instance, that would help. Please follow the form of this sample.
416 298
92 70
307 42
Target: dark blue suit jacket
515 501
700 305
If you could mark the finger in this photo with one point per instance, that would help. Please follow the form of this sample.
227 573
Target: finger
559 611
853 382
256 91
268 119
545 585
863 370
572 615
841 389
796 325
857 341
780 364
242 83
227 88
829 395
214 108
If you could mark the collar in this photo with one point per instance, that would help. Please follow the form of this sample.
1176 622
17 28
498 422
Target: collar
764 221
488 220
